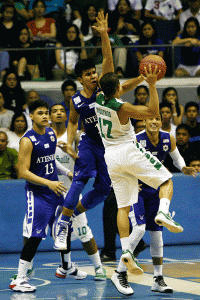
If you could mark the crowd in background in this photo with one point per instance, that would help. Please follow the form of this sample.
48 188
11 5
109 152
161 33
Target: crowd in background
52 35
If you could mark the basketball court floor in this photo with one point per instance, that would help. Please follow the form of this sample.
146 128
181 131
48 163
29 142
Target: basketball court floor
181 272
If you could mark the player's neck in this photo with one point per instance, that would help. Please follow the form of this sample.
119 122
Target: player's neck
87 93
39 129
153 137
60 129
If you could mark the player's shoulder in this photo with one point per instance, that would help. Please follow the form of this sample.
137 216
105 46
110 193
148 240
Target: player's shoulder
140 134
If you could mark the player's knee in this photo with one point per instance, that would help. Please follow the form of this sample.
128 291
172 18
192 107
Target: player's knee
156 243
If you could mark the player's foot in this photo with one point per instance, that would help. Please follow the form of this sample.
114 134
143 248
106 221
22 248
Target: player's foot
166 220
131 263
141 246
61 237
21 285
100 274
107 257
71 273
30 273
120 280
160 286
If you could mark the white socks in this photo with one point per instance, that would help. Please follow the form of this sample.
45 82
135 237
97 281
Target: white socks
95 259
164 205
125 242
23 268
157 270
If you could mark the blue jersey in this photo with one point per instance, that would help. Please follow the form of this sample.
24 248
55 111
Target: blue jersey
85 107
160 151
43 157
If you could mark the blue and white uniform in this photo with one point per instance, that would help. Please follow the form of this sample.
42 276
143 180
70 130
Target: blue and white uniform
41 201
148 199
91 162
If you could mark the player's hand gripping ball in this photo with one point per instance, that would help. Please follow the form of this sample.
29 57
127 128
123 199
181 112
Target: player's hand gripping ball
154 60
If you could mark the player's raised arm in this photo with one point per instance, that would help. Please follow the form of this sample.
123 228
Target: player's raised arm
102 28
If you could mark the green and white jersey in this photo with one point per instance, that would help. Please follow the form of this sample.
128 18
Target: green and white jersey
110 128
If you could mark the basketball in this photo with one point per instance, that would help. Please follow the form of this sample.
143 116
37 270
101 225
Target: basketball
154 60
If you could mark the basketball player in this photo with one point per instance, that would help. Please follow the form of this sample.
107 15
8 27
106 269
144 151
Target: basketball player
43 191
127 162
81 230
90 161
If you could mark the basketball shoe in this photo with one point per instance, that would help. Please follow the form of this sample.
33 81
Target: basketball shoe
166 220
120 280
160 286
100 274
71 273
21 284
131 263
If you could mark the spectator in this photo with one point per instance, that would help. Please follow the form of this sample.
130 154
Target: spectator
163 10
148 37
191 114
9 159
192 11
170 95
141 98
32 96
25 62
5 114
195 163
186 149
14 95
69 88
95 53
166 114
190 52
54 8
71 11
43 31
139 126
67 59
136 6
86 21
125 24
17 129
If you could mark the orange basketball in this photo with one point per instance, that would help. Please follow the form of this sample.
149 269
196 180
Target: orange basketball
154 60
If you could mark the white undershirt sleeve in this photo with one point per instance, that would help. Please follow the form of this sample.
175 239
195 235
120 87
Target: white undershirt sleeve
63 170
178 160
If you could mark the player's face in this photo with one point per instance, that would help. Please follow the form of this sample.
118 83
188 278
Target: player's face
142 96
58 114
192 113
40 116
89 79
196 165
182 137
20 124
166 114
153 124
3 142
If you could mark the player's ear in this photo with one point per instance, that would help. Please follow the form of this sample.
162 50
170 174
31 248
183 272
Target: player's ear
80 80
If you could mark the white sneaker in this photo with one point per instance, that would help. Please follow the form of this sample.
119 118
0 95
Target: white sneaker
21 284
166 220
120 280
61 237
131 263
160 286
100 274
30 273
71 273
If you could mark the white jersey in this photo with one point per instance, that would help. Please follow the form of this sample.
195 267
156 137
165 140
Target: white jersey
110 128
164 8
65 159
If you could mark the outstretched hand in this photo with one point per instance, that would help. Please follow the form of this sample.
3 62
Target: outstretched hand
68 149
102 22
151 76
189 171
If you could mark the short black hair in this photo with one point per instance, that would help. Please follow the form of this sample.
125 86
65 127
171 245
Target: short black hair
38 103
184 126
15 116
109 83
165 104
191 103
50 109
141 87
83 65
68 82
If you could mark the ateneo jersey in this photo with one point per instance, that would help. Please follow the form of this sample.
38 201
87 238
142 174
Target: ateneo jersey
85 107
43 158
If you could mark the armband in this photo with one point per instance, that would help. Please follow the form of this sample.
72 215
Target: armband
178 160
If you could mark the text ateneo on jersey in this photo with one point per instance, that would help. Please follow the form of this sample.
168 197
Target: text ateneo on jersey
45 158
